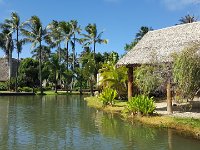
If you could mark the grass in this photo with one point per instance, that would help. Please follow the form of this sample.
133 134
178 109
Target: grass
187 126
96 103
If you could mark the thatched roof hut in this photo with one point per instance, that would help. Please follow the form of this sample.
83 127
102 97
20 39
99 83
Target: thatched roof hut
159 45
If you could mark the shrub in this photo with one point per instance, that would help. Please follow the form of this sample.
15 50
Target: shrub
11 83
148 78
25 89
186 72
141 104
3 86
108 96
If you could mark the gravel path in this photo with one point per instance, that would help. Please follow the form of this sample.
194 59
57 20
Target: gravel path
186 110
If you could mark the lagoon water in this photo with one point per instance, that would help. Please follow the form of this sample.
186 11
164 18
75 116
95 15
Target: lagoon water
66 123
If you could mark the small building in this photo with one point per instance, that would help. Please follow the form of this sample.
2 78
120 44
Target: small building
4 69
158 46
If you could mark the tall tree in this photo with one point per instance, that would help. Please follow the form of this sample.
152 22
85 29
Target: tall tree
75 30
46 51
66 32
54 66
13 24
54 36
143 30
139 35
188 19
34 33
93 37
6 44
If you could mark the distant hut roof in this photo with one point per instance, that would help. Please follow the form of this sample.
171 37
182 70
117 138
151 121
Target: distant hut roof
159 45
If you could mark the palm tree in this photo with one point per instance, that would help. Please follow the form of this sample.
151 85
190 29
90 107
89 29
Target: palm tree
6 44
93 37
188 19
143 30
75 29
54 66
54 36
13 25
46 51
66 33
34 33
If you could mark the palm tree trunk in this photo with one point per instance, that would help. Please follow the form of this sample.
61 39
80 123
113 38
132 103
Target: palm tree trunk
91 87
16 83
74 52
55 82
95 64
67 53
94 52
40 67
59 73
10 67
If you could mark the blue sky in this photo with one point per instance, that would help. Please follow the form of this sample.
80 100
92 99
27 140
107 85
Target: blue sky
119 19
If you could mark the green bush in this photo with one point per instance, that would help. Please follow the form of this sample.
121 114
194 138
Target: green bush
186 72
3 86
141 104
25 89
108 96
11 83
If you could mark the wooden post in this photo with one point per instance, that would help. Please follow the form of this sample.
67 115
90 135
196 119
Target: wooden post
169 98
130 82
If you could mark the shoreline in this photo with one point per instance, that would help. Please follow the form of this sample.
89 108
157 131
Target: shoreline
188 126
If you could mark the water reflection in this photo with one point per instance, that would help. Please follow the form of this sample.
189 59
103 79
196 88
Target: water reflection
65 122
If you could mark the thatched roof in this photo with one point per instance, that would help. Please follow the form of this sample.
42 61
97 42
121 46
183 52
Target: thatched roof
4 69
159 45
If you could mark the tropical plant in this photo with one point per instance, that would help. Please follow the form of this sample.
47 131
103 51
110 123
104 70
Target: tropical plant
88 66
7 45
55 68
66 33
93 37
112 77
3 86
186 71
143 30
141 104
188 19
54 37
75 30
45 53
13 25
108 96
34 33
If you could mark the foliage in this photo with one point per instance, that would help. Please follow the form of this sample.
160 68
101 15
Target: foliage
143 30
108 96
25 89
141 104
3 86
148 78
188 19
11 83
28 72
186 71
115 78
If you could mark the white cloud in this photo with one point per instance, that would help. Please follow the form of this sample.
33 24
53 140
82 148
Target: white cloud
179 4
